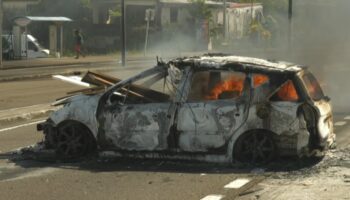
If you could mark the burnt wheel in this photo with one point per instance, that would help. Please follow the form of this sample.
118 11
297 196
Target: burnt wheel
256 147
74 140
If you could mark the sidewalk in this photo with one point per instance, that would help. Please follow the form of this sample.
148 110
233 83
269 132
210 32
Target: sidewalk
46 62
25 113
45 67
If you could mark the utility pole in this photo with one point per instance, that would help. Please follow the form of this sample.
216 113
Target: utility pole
123 49
290 16
1 19
224 19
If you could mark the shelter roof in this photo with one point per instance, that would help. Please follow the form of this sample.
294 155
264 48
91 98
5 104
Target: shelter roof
25 20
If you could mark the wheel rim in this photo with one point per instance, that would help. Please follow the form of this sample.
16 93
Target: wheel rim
72 141
256 148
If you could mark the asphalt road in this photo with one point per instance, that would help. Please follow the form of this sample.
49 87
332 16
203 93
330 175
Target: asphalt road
109 179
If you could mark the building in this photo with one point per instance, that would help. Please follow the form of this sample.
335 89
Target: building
166 11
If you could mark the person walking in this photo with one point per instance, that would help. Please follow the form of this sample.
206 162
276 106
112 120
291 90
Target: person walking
78 44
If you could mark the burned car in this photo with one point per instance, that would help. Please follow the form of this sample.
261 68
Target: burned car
216 108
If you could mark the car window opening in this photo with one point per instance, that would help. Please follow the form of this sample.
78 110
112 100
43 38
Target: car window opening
313 87
259 79
155 88
216 85
286 93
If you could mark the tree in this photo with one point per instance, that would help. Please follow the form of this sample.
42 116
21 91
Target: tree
275 12
200 10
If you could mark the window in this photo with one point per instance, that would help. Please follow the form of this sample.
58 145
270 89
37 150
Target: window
313 87
216 85
259 79
286 93
155 88
31 46
173 15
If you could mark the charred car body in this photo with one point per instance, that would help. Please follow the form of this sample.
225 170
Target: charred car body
217 108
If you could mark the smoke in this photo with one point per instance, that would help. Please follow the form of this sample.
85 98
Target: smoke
173 44
321 39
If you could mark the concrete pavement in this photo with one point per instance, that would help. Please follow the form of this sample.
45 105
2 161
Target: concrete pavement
44 67
14 115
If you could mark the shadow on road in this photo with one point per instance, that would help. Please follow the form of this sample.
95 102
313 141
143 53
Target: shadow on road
97 164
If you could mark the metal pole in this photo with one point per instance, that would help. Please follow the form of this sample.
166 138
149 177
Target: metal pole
224 19
123 32
26 40
1 19
251 11
146 39
61 41
290 16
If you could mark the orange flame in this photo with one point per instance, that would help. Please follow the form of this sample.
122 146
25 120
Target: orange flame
259 79
288 92
232 85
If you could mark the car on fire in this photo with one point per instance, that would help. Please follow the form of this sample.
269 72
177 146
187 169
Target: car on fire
215 107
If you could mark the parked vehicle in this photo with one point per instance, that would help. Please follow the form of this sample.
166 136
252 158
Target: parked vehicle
30 48
217 108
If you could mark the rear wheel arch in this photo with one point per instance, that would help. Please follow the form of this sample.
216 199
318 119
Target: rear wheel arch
310 115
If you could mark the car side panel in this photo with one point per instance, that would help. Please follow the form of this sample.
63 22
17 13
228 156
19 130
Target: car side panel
208 125
137 126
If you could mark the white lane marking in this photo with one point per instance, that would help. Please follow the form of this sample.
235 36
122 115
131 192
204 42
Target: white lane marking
340 123
213 197
32 174
237 183
347 117
20 126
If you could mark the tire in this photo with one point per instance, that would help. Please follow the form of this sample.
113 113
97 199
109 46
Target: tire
255 147
74 140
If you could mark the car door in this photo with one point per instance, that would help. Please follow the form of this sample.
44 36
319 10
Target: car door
214 109
135 117
137 126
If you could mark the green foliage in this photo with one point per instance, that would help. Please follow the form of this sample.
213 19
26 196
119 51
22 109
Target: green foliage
116 12
257 28
200 10
86 3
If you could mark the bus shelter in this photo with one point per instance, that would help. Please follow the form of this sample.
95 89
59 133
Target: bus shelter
55 31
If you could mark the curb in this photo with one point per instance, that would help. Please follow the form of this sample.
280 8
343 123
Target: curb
58 65
77 70
10 116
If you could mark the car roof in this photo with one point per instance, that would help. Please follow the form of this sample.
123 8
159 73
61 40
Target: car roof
239 63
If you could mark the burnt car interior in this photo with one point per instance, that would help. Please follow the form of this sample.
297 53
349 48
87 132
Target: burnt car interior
155 88
214 85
